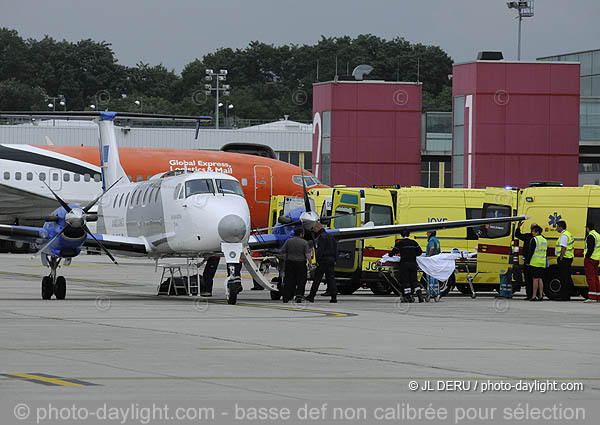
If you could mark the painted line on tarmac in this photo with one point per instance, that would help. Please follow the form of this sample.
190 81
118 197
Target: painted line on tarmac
49 380
268 348
325 313
278 307
71 279
59 348
486 349
303 378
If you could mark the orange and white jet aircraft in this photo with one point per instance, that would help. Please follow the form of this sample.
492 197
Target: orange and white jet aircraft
73 172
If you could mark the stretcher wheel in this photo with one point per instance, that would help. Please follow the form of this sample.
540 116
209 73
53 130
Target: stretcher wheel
275 295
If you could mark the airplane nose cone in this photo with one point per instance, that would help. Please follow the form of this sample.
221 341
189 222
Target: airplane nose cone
232 228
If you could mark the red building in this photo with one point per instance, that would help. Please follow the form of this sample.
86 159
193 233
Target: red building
367 132
515 122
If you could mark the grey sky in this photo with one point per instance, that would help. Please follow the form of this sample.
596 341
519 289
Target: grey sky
177 31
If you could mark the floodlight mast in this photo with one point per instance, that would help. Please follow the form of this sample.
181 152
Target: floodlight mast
525 10
218 76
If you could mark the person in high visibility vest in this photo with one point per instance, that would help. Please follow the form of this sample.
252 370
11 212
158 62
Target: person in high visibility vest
590 262
565 252
539 262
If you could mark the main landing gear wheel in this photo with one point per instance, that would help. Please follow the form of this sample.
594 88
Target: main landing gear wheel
47 288
60 288
276 295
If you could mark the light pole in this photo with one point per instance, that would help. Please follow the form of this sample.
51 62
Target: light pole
228 108
62 101
218 76
139 103
525 10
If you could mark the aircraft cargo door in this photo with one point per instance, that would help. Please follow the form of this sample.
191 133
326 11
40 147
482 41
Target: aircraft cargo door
346 206
263 184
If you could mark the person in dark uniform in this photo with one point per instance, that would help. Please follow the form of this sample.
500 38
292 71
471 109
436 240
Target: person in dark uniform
208 276
295 252
527 253
409 250
325 255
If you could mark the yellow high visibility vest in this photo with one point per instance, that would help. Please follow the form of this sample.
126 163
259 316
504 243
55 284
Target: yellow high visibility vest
538 259
570 251
596 253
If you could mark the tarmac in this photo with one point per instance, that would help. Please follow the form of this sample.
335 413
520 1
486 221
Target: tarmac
114 339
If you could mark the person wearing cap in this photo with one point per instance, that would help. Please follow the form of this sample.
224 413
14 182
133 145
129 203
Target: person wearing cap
591 259
565 252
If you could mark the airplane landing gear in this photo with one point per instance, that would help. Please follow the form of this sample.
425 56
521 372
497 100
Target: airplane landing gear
53 284
233 285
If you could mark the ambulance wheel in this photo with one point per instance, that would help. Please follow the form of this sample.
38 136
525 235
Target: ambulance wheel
464 289
380 288
554 288
47 288
583 291
60 289
348 289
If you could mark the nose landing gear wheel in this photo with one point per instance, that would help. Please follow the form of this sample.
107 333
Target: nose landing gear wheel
47 288
60 288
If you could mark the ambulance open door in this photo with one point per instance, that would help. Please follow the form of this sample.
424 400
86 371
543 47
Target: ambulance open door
345 208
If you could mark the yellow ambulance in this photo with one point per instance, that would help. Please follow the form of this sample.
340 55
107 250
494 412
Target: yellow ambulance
546 205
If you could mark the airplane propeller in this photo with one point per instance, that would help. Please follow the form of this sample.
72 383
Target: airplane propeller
77 218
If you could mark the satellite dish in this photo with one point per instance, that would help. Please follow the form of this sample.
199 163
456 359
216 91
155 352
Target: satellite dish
360 71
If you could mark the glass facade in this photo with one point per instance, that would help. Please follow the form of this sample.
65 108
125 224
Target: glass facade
436 174
438 132
458 141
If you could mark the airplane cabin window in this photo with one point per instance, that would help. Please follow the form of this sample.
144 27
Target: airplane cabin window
30 176
6 175
176 191
76 177
97 177
145 196
42 177
66 177
18 175
230 186
193 187
55 177
86 177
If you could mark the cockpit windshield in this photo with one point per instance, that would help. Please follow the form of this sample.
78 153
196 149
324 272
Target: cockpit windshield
308 180
194 187
229 186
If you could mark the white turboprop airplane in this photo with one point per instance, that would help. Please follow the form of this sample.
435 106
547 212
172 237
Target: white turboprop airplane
187 215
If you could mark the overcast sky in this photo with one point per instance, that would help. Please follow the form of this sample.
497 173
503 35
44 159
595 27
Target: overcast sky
177 31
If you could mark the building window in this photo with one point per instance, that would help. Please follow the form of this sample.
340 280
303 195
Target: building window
307 164
295 158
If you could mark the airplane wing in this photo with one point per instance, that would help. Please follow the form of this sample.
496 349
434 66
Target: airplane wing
38 235
272 241
368 232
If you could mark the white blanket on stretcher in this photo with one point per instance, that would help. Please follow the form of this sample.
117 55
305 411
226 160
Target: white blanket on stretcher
440 266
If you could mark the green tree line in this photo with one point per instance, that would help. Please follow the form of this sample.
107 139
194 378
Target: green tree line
266 81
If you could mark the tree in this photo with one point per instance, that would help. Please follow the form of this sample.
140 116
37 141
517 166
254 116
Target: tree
17 96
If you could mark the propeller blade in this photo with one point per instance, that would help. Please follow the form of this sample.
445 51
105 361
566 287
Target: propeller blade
60 201
91 204
99 243
306 199
49 243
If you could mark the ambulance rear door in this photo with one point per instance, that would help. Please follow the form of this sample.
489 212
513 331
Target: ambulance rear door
346 205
